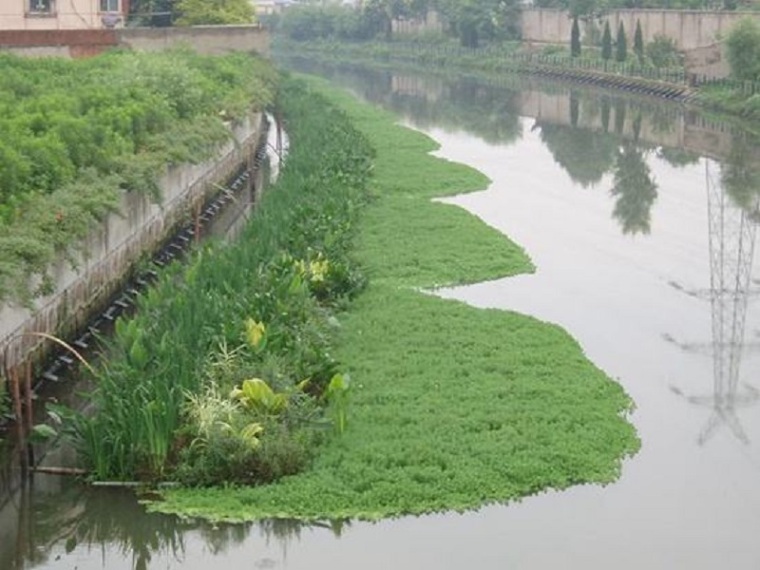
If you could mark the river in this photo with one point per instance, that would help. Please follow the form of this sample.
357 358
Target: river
640 217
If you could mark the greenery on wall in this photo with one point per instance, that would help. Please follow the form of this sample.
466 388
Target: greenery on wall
78 133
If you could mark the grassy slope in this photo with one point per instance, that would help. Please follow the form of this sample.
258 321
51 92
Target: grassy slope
453 406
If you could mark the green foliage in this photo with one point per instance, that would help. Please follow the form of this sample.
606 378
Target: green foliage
743 44
213 12
251 296
662 51
575 39
606 41
477 21
337 395
255 395
638 42
73 143
452 407
621 44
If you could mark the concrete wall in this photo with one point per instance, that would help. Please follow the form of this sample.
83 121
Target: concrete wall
56 15
210 40
689 29
117 244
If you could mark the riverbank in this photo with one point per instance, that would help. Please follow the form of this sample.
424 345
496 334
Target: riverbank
507 59
452 407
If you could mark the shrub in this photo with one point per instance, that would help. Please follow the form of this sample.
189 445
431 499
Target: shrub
743 43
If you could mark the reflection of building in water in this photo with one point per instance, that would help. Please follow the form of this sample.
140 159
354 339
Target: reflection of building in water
732 232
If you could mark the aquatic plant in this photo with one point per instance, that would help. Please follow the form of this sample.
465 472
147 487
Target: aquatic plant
452 407
235 313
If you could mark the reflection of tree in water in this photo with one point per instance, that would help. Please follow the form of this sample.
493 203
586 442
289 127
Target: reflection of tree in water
112 520
740 174
586 156
487 112
634 189
677 157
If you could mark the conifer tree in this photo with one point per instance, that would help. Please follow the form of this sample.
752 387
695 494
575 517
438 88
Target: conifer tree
621 48
606 42
638 42
575 39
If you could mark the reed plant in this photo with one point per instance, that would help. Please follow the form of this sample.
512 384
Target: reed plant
202 314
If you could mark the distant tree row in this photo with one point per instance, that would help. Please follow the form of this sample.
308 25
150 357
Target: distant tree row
590 8
190 12
660 52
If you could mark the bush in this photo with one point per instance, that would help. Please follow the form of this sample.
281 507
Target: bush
743 43
662 51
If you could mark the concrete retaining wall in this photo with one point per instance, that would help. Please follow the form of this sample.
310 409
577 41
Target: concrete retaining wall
211 40
112 249
689 29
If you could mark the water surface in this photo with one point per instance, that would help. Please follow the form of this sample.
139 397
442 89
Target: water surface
640 218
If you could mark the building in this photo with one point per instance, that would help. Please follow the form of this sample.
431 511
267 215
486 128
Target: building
62 14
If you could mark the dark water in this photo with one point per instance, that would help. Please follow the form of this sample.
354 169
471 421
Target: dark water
641 219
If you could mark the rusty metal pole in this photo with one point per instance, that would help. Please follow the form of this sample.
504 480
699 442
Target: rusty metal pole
197 230
16 396
29 413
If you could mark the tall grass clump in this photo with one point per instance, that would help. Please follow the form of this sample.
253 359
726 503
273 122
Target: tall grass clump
185 387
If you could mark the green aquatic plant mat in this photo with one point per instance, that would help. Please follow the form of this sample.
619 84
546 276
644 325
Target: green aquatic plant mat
453 407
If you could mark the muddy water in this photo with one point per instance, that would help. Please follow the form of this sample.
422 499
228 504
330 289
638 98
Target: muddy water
631 212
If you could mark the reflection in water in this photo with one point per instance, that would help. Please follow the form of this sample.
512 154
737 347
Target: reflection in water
58 517
634 189
733 216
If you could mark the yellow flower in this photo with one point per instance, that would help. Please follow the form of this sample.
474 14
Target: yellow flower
254 332
318 270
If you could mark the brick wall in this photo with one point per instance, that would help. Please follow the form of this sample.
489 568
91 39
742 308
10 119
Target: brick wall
79 43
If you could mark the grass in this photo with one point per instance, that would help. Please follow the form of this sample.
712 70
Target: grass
453 407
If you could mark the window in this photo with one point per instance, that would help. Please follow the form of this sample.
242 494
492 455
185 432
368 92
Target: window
109 5
41 6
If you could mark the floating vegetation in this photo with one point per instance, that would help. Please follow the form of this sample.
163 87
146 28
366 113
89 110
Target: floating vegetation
452 407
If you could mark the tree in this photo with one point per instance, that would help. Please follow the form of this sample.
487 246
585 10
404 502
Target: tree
575 39
743 45
638 42
200 12
662 51
621 47
476 20
606 41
